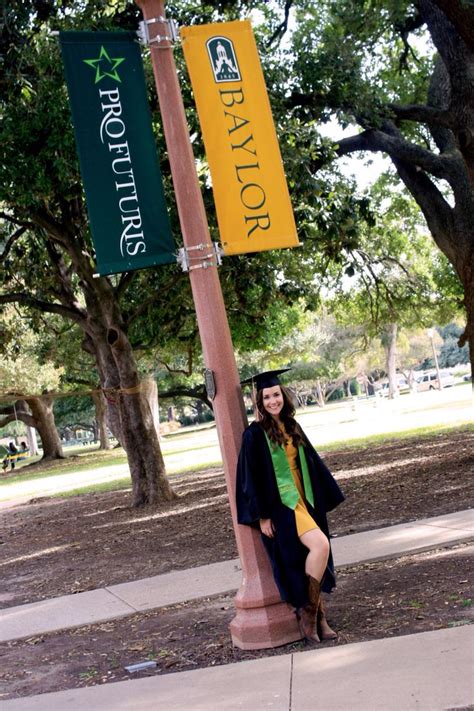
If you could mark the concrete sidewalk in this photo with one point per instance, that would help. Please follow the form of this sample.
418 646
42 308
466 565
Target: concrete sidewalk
180 586
427 671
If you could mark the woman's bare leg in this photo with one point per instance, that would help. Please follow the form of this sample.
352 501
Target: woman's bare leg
317 559
318 546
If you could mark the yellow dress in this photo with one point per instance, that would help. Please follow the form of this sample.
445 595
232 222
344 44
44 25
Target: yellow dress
304 521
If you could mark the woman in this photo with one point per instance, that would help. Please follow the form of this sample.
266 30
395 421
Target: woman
285 490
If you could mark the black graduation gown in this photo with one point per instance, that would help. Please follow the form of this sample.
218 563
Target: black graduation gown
258 497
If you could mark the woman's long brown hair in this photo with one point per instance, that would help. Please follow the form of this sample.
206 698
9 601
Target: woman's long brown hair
287 416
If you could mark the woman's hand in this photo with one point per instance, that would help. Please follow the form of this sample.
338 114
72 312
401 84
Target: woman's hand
267 527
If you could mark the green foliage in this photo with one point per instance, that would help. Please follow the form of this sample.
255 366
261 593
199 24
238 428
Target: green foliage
450 353
260 291
350 60
20 368
394 274
74 412
351 57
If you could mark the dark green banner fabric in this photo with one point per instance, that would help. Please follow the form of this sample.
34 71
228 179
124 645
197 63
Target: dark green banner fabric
117 151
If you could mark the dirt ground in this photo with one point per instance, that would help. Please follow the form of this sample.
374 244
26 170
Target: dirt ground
53 547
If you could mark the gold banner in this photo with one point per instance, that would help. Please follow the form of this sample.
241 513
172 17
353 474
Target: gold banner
250 191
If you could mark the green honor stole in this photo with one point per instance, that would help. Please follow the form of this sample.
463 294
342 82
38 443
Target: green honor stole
284 478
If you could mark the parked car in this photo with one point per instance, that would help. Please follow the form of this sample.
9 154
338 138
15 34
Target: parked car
402 385
429 381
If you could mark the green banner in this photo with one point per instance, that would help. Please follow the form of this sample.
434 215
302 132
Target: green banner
117 151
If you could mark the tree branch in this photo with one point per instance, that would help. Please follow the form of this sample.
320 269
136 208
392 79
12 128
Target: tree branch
11 241
397 147
125 280
409 24
187 372
65 293
16 411
69 242
15 220
23 416
44 306
434 207
6 420
198 393
411 162
283 26
53 228
145 304
423 114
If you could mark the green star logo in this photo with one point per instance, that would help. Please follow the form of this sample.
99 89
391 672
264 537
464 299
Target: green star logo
105 66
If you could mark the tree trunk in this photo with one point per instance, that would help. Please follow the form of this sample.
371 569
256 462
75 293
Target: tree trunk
109 380
42 413
128 412
150 393
31 439
320 394
391 353
104 329
100 413
198 406
147 467
41 418
467 278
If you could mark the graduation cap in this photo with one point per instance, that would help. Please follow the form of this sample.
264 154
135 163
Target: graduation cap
267 379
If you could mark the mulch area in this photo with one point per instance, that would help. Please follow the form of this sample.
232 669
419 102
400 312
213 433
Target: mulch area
54 547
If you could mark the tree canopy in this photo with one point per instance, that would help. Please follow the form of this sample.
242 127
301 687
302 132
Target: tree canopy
398 73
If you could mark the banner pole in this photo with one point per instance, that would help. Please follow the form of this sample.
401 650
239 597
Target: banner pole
262 620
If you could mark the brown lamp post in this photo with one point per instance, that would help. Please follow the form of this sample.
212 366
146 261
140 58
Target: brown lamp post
262 620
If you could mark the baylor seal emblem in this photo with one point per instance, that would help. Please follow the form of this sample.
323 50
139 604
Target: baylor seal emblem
223 60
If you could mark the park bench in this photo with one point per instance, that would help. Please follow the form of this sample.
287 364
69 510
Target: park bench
8 457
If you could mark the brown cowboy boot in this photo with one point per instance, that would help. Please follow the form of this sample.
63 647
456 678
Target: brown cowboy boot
314 592
307 615
307 622
324 630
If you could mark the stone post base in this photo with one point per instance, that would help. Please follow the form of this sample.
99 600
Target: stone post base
264 627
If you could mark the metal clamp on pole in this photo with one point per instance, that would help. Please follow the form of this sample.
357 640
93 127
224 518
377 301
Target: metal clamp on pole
171 27
200 256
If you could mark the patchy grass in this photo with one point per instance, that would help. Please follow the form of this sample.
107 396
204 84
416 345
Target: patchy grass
97 459
124 482
70 464
373 440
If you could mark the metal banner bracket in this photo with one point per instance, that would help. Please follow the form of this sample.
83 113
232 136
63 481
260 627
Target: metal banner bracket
170 27
200 256
210 384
